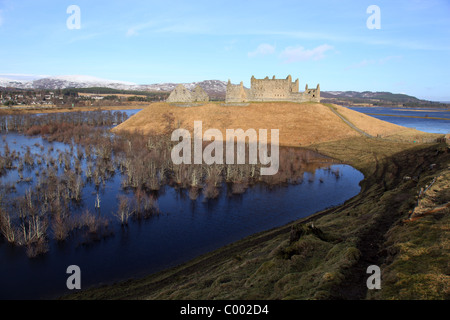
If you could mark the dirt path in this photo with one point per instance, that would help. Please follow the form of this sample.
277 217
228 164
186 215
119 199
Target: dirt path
371 243
349 123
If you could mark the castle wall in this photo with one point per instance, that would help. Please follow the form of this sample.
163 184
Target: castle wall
236 93
199 95
271 90
181 94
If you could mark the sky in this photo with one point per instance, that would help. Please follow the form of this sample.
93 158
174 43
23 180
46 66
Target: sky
343 45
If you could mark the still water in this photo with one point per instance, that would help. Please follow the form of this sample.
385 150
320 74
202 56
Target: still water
397 116
184 229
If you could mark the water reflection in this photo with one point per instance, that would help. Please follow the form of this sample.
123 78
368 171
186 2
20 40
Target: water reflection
183 225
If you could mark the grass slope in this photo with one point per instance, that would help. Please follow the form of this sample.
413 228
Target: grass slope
299 124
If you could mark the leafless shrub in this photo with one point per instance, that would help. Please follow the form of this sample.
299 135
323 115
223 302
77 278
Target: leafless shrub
123 213
33 235
96 226
145 206
6 227
61 226
28 158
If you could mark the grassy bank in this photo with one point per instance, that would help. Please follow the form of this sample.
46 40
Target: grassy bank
325 256
299 124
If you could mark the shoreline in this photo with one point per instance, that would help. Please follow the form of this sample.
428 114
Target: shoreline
402 116
379 189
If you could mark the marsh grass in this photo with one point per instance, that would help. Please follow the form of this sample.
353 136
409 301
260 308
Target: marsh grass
300 262
93 156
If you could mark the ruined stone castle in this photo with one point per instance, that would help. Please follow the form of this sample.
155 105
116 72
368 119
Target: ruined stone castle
182 94
271 90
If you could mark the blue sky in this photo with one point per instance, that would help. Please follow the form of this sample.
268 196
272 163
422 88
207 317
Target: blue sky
326 42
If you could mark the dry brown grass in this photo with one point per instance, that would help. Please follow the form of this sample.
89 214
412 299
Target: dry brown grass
376 127
299 124
369 124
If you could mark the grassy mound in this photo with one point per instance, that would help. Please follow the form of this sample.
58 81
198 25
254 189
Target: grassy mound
299 124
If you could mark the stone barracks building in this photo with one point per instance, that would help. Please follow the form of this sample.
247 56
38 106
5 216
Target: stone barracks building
181 94
271 90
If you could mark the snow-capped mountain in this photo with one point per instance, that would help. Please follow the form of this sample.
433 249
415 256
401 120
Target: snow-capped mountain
10 83
63 82
215 88
80 81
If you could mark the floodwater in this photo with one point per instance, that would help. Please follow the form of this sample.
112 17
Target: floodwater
397 116
183 230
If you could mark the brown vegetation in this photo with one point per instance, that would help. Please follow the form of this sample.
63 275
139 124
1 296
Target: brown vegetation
300 124
144 162
325 256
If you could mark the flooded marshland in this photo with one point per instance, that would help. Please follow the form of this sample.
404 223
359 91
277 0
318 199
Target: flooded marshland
72 193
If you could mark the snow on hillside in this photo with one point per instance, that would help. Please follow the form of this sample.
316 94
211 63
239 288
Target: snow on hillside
213 87
89 79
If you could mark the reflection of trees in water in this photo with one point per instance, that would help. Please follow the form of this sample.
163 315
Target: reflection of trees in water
53 205
149 166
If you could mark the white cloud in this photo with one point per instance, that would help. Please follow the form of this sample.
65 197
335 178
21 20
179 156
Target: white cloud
361 64
84 37
389 58
295 54
399 43
131 32
368 62
262 50
134 30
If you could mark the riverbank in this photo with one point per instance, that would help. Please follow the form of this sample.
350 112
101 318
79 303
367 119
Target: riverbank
325 256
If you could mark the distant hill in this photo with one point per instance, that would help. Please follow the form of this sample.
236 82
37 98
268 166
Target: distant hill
216 89
388 96
382 99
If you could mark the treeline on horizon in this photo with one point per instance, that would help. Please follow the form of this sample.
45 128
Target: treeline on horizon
111 91
381 99
387 100
93 90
